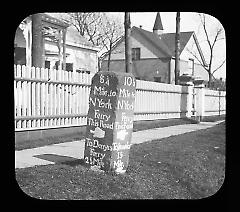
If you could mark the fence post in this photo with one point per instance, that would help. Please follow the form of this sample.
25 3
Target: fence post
200 98
189 100
185 80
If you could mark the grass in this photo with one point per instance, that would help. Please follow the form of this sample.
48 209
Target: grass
187 166
28 144
137 126
213 118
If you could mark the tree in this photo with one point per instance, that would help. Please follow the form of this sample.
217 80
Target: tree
212 36
111 33
101 29
87 25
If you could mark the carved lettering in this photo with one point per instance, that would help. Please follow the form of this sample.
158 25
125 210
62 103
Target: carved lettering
102 116
99 91
124 93
95 144
100 103
110 121
124 104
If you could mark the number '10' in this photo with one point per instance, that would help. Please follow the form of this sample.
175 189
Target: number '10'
129 81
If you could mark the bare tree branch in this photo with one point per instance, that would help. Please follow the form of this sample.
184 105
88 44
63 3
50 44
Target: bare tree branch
203 21
211 45
98 28
196 57
218 67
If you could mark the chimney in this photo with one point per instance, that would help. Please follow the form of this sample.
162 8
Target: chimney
158 28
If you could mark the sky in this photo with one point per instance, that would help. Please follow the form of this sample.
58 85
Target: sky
188 22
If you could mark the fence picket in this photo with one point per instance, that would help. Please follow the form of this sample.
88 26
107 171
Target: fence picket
15 92
38 106
42 95
29 109
51 98
19 94
24 97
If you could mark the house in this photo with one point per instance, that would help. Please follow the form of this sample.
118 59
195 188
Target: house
153 54
62 44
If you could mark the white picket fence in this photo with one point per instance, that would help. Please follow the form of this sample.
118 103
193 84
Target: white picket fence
215 102
49 98
159 101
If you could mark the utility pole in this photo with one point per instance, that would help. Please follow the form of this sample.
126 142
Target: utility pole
128 55
177 49
37 41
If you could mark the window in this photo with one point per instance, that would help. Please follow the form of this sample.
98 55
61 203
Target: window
191 66
47 64
69 66
157 79
135 53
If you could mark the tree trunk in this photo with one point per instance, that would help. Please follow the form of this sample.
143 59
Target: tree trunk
37 41
109 56
177 48
128 56
209 79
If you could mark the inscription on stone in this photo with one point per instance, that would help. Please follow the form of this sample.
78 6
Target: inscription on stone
110 121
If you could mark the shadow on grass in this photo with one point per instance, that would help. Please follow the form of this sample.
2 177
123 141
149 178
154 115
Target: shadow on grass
74 163
61 159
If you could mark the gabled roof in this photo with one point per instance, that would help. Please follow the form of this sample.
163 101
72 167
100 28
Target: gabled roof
158 23
165 45
155 41
169 40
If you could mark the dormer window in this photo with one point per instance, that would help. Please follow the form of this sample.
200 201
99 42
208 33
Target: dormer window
135 53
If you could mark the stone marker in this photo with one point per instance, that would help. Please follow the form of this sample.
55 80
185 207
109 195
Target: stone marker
110 121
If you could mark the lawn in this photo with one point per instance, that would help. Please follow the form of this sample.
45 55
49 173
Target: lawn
187 166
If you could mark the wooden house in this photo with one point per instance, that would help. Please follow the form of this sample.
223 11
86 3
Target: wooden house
73 49
153 54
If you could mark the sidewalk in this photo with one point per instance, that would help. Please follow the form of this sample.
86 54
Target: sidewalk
75 150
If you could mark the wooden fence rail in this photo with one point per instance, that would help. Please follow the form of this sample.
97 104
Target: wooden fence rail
50 98
215 102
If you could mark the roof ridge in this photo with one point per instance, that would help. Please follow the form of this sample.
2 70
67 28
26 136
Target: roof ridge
169 40
166 49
